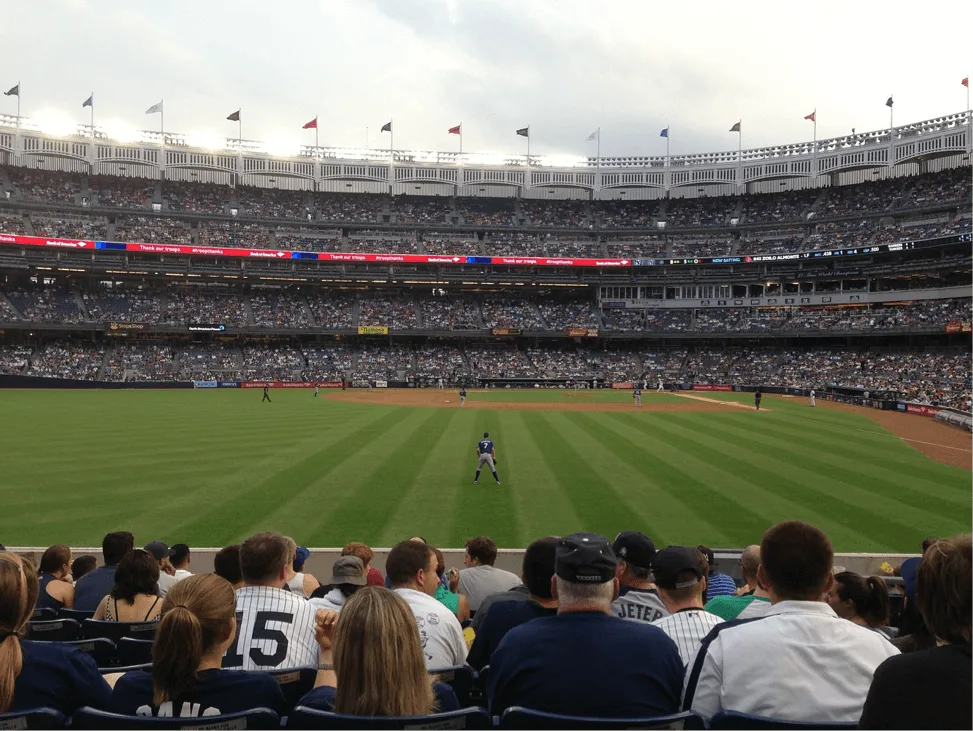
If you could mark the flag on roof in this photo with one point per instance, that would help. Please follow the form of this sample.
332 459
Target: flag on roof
313 124
812 116
965 82
888 102
664 133
735 128
457 130
89 102
596 135
524 132
15 91
387 127
154 109
235 116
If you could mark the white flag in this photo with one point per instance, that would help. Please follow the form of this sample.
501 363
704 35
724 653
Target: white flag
154 109
594 135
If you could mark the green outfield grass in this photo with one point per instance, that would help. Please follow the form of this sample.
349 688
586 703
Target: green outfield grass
211 467
580 396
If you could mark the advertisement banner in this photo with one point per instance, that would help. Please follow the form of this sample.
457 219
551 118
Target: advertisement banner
582 332
204 384
921 409
381 384
373 330
200 327
954 327
506 331
709 387
967 327
123 327
623 385
278 384
228 384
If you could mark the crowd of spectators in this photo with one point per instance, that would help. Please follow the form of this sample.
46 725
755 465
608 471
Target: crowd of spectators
124 305
784 206
695 212
439 361
67 359
450 313
12 222
70 227
685 246
238 234
625 320
279 309
421 210
373 242
436 242
560 315
140 361
383 362
205 358
487 212
627 214
332 311
182 197
511 313
498 361
272 362
264 203
636 247
205 307
396 313
349 207
306 239
46 304
556 214
42 186
114 192
14 358
154 229
327 362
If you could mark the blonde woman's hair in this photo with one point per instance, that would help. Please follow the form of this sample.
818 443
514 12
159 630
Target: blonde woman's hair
18 595
197 614
378 658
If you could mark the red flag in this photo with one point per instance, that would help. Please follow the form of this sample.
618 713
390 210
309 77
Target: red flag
457 130
313 124
966 82
811 116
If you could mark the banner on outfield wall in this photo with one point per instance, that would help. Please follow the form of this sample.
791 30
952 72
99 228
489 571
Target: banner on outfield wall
123 328
582 332
956 418
709 387
622 385
228 384
958 327
286 384
506 331
373 330
205 384
921 409
381 384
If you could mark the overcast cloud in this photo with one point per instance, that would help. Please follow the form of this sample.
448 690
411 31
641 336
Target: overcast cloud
563 67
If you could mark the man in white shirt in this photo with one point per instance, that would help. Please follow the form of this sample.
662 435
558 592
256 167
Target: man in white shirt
160 552
180 559
800 661
680 576
480 578
411 568
275 628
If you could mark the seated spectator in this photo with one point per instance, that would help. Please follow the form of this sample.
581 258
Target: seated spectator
914 634
226 563
752 600
446 593
160 551
56 590
186 681
799 662
39 674
265 608
538 572
366 555
297 581
372 661
519 593
864 601
82 566
480 578
680 575
93 586
570 663
135 594
347 577
932 688
180 559
637 599
411 568
717 584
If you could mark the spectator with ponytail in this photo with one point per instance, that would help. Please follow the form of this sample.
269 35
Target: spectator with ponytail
39 674
860 599
198 624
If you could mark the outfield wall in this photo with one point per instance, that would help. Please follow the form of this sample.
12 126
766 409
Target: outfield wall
510 559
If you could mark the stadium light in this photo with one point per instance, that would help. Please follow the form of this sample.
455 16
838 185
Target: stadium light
55 122
282 147
206 140
121 131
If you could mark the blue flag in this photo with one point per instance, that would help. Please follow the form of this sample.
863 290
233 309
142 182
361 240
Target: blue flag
664 133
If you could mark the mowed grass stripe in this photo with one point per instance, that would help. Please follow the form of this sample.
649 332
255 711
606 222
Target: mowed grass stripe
875 523
858 473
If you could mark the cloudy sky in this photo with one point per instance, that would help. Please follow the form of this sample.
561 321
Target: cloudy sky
563 67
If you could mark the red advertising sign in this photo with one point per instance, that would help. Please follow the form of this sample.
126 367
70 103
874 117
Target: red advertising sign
708 387
290 384
553 262
43 241
622 385
921 410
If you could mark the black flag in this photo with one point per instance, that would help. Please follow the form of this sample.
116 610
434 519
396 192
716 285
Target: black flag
524 132
387 127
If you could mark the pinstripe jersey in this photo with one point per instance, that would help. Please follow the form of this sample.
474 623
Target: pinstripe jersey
687 628
275 629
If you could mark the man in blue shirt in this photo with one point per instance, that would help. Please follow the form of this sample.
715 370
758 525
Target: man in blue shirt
95 585
486 455
585 662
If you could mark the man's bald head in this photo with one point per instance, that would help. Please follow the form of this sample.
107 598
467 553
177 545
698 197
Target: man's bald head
750 562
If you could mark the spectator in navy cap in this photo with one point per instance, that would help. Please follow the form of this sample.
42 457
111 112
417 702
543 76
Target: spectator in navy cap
637 598
571 663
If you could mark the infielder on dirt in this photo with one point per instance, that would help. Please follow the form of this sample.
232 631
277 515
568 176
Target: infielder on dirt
462 396
486 454
637 394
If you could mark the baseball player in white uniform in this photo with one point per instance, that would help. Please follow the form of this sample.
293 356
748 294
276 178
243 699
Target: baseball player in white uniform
812 397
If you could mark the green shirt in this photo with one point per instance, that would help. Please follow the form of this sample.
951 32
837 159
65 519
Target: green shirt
729 607
447 598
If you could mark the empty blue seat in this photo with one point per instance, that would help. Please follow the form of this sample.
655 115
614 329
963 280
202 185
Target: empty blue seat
91 628
461 678
39 718
307 718
516 717
256 718
734 720
294 683
134 652
43 614
53 630
101 650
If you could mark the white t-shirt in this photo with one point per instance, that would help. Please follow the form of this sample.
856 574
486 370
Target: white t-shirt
275 630
687 629
443 644
333 601
166 582
182 574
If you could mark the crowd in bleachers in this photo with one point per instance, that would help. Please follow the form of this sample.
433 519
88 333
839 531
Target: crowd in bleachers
363 243
141 361
643 247
627 214
453 313
46 304
70 227
41 186
114 192
182 197
238 234
348 207
14 358
684 246
696 212
332 311
152 229
421 210
498 361
486 211
383 362
272 362
445 243
440 361
555 214
816 645
327 362
263 203
279 309
394 312
189 306
560 315
784 206
79 361
124 305
510 313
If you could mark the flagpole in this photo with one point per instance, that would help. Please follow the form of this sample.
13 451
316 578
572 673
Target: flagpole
18 105
316 131
239 122
391 142
598 163
92 116
461 130
528 157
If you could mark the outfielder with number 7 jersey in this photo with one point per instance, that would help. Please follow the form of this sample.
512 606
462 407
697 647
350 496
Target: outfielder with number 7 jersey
275 628
486 454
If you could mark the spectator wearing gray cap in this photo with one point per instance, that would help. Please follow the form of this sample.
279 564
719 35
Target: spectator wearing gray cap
347 577
584 661
160 552
680 575
637 599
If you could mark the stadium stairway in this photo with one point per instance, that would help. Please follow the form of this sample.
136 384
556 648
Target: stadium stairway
306 306
355 316
10 304
105 360
79 301
246 305
537 311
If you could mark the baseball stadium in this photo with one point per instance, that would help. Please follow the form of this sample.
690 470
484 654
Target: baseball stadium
665 372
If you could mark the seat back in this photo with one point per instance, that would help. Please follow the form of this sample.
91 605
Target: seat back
53 630
101 650
114 631
79 615
134 652
734 720
43 614
40 718
308 718
147 667
461 679
255 718
294 683
516 717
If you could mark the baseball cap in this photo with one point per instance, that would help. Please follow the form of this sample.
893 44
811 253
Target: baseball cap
301 555
158 549
673 560
179 552
348 570
584 558
635 548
